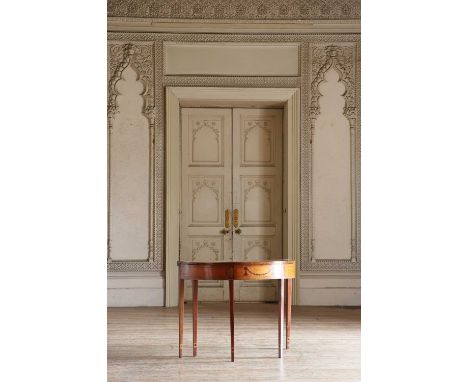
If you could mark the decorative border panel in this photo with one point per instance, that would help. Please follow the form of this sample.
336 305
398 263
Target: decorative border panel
141 57
237 9
344 57
310 66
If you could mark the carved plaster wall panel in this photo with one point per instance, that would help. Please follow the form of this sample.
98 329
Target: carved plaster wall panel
129 171
237 9
313 57
331 185
131 157
333 180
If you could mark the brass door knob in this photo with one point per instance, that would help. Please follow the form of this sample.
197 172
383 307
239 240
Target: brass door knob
225 231
238 231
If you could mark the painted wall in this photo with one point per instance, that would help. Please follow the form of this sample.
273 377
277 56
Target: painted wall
326 67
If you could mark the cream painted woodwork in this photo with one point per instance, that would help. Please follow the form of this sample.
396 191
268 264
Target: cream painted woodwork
289 99
129 141
257 194
206 191
331 168
231 59
231 160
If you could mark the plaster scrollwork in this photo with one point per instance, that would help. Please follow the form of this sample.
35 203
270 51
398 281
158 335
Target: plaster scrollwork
341 58
140 57
211 245
257 243
208 124
119 59
205 183
264 125
263 184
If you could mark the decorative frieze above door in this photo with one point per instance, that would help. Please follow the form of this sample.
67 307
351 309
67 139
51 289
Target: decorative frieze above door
237 9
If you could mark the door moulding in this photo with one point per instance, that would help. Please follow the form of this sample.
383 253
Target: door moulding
286 98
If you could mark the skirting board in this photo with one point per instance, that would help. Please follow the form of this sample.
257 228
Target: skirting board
330 296
135 289
330 290
147 289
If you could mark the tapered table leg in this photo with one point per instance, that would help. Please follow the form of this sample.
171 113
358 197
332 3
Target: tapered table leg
280 318
181 316
231 315
288 311
195 315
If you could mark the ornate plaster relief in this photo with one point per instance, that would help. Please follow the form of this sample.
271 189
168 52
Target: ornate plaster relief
317 53
237 9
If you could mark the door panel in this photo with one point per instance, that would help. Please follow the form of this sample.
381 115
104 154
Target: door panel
231 175
257 194
206 192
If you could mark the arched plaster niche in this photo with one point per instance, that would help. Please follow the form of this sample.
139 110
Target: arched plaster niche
331 164
129 171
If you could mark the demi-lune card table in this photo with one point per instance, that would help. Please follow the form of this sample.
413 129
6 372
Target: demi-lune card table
282 270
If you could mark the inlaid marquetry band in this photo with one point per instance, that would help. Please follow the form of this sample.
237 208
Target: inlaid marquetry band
251 270
248 271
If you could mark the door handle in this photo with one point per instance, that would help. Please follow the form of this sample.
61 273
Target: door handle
238 231
236 218
227 218
227 221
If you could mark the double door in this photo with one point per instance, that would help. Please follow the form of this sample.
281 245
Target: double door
232 185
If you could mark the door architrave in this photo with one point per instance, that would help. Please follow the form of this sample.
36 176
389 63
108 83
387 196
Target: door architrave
178 97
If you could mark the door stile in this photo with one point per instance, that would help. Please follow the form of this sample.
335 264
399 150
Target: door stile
257 194
206 192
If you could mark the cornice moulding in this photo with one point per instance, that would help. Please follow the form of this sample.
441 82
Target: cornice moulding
124 24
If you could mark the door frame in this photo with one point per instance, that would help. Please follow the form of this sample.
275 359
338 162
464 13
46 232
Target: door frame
286 98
